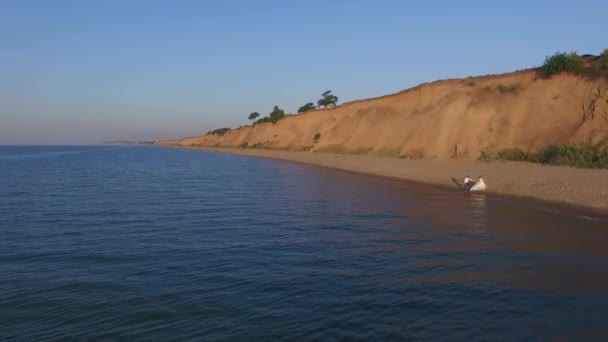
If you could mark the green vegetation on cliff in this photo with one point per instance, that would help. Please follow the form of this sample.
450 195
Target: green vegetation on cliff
563 62
219 131
328 100
274 116
601 64
581 156
306 107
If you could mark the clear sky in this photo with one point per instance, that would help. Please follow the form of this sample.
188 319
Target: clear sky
79 72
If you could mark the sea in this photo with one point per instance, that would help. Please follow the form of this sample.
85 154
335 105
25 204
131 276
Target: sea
144 243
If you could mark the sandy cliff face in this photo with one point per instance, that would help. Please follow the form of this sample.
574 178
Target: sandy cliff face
444 119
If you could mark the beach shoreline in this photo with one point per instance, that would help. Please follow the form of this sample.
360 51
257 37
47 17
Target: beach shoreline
564 188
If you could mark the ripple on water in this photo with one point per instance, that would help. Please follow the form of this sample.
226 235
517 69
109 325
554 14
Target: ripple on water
142 243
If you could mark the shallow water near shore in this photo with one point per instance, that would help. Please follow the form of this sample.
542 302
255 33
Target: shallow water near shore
141 243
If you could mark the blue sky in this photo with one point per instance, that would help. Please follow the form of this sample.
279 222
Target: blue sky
79 72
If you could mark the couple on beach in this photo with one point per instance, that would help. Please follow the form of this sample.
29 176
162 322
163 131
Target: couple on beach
471 185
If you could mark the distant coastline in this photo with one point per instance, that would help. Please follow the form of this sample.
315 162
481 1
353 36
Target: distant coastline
128 142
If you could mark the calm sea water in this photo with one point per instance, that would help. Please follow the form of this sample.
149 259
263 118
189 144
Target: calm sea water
147 243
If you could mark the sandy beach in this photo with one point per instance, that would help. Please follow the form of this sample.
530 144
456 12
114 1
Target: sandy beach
581 188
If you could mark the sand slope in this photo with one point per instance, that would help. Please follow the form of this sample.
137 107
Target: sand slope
445 119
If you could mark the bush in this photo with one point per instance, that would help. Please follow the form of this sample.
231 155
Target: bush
316 137
512 154
563 62
274 116
581 156
601 64
515 154
488 157
244 145
219 131
262 120
306 107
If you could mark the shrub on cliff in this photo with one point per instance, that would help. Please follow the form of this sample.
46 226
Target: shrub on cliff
262 120
581 156
563 62
219 131
601 64
511 154
274 116
306 107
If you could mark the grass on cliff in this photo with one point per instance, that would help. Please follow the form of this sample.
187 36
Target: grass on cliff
386 152
582 156
513 88
335 148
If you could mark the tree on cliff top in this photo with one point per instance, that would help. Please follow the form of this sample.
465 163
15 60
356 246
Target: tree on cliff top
328 100
253 115
276 114
306 107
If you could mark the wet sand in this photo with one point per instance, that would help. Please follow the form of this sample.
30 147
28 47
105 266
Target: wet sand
562 185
